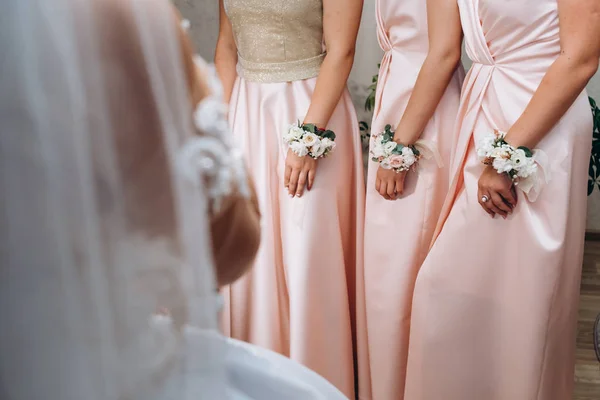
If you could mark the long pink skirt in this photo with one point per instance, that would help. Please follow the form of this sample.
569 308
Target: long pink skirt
298 298
495 304
398 233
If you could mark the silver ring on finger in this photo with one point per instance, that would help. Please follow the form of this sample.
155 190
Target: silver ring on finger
485 199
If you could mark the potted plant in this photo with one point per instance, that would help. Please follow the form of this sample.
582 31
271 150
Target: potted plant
594 171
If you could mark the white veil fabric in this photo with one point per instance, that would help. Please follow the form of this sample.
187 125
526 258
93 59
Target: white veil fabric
106 186
97 222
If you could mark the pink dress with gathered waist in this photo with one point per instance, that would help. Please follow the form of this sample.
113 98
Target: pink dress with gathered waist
495 305
398 233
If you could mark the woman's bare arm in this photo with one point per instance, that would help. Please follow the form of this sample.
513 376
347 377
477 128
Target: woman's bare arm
226 54
341 20
445 38
567 77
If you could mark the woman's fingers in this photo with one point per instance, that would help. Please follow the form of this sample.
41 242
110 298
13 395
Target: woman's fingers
377 184
498 205
302 180
293 183
311 178
400 178
509 196
288 174
383 189
391 190
483 202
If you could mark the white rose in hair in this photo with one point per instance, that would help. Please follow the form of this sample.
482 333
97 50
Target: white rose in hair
299 148
309 139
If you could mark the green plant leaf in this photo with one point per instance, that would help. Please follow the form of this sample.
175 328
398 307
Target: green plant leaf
528 153
594 169
370 101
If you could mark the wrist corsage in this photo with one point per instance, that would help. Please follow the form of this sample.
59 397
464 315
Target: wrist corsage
308 140
392 155
518 163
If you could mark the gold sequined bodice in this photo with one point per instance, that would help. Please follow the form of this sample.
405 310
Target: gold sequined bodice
277 40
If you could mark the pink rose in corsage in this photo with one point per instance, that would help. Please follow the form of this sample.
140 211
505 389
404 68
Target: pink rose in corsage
392 155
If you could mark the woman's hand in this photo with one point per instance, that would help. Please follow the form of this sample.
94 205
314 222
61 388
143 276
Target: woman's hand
299 173
496 194
389 183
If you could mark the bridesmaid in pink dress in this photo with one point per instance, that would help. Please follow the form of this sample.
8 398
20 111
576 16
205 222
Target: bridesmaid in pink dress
406 100
297 299
495 304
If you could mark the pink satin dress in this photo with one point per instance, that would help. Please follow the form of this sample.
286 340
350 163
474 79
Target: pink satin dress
495 305
398 233
298 298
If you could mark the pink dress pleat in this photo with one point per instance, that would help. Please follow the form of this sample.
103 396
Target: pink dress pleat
495 303
297 299
398 233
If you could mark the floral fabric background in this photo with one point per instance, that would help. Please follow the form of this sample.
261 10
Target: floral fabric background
204 18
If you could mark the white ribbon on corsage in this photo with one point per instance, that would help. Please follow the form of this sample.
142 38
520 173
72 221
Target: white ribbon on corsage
534 183
428 150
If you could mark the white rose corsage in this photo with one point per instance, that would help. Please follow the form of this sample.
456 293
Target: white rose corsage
309 140
392 155
518 163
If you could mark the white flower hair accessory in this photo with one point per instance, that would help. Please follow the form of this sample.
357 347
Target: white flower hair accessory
211 159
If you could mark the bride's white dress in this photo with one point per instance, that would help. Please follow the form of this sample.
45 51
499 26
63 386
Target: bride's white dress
254 373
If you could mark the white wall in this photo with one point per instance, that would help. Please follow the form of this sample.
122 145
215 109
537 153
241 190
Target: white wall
203 14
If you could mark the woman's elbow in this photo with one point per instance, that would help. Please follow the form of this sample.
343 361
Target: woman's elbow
583 64
342 54
447 58
589 67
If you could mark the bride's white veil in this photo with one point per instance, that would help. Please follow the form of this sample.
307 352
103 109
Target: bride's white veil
97 224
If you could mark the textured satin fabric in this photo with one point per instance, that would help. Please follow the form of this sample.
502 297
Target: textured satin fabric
277 40
253 373
398 233
297 298
495 305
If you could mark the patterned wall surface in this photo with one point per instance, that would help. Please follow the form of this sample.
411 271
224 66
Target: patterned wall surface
203 14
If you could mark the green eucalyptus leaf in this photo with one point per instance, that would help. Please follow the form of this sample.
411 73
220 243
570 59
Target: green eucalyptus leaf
528 152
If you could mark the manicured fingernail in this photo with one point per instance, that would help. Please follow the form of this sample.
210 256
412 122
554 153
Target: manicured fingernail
298 195
291 195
